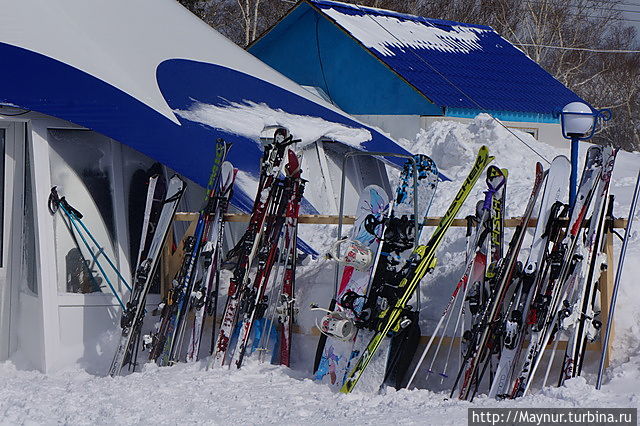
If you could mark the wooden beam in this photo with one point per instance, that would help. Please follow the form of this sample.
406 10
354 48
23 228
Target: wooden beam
171 262
323 219
562 345
606 290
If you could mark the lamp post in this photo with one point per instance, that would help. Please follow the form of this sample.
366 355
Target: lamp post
578 123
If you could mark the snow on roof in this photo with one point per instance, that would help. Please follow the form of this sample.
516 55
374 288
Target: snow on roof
383 32
453 64
249 118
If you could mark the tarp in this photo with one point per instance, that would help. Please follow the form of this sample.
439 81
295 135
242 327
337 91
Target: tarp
151 75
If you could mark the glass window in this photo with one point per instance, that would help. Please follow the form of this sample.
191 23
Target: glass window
81 166
28 226
2 151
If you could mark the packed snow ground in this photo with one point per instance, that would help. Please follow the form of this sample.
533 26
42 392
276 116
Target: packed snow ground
260 393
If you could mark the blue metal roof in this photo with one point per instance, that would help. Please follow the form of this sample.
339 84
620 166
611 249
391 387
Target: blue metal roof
453 64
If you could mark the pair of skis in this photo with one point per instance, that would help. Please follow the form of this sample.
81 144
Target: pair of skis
206 292
155 230
162 203
513 328
485 232
286 200
477 341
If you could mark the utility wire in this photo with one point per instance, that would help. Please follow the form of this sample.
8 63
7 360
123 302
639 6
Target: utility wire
612 8
608 18
454 85
576 48
621 3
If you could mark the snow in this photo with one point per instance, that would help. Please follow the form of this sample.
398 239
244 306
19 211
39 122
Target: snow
374 31
265 394
250 118
256 394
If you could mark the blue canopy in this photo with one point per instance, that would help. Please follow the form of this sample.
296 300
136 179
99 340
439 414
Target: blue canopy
136 83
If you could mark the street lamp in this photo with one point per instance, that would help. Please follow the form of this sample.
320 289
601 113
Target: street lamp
579 123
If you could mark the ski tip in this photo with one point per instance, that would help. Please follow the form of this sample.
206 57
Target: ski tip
293 164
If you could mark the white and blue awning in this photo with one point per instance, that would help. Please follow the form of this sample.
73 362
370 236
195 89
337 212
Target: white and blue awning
150 75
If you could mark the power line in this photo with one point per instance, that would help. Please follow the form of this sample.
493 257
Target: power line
618 3
612 8
590 8
454 85
608 18
576 48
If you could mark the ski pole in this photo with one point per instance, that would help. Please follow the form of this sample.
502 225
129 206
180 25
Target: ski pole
104 254
74 218
616 285
94 256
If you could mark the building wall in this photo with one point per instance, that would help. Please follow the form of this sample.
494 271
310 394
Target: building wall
398 126
312 51
52 319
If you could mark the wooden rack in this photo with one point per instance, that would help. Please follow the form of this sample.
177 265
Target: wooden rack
172 260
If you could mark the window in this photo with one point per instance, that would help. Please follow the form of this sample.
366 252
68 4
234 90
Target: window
533 131
2 151
28 226
81 166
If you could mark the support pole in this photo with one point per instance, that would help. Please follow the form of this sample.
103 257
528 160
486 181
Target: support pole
573 177
616 286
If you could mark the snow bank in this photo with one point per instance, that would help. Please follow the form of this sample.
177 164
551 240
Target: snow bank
250 118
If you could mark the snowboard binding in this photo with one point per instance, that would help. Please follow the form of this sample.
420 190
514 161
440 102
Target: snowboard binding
356 254
336 324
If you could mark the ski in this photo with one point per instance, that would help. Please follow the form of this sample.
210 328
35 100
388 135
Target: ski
255 303
579 321
133 315
514 327
206 295
476 264
247 248
285 308
478 337
167 343
562 262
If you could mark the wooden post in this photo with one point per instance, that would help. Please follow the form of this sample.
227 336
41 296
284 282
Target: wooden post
606 289
171 261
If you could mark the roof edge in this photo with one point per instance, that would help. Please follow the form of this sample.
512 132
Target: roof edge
393 13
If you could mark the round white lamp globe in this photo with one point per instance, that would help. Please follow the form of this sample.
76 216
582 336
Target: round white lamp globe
577 119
